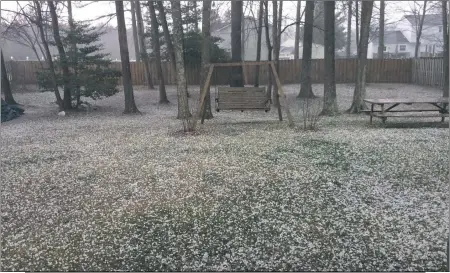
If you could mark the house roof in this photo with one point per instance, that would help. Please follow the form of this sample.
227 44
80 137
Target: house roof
429 19
393 37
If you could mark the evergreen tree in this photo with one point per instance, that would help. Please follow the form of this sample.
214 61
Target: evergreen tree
94 78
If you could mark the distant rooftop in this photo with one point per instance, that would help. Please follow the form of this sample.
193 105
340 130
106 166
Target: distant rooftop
429 19
393 37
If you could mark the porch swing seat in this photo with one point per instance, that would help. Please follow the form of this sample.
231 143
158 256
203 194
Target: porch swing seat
242 98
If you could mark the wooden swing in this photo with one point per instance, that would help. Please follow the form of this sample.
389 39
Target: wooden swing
243 98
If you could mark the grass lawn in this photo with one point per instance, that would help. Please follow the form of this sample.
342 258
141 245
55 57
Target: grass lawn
101 191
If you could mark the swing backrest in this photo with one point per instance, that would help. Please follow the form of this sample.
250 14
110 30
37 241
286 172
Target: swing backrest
242 98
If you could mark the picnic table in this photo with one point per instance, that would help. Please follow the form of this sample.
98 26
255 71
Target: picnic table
387 108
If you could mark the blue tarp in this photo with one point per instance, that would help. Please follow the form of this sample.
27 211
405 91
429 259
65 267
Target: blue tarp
10 111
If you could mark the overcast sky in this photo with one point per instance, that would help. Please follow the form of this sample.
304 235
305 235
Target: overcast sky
100 8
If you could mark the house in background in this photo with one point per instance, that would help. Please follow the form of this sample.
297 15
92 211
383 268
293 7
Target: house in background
287 50
250 39
396 45
401 42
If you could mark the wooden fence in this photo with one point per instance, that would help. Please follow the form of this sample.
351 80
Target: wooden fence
428 72
378 71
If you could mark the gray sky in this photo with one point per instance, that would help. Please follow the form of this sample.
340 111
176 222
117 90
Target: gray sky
105 7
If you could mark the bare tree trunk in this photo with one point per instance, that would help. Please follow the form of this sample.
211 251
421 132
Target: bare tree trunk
381 31
269 48
237 79
419 30
305 76
73 54
62 56
360 89
206 57
167 38
144 55
446 47
329 99
357 24
130 105
348 47
49 60
6 87
194 3
135 32
276 47
297 31
258 43
157 51
183 104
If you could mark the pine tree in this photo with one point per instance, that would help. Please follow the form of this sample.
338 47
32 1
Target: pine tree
94 78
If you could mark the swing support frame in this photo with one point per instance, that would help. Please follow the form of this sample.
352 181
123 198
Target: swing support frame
281 95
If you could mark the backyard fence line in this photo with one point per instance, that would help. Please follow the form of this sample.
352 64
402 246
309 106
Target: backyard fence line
426 71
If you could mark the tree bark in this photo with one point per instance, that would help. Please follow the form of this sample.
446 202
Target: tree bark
329 99
73 54
167 38
6 87
143 53
62 56
348 47
360 89
357 24
276 47
269 48
194 3
135 32
49 60
381 31
130 105
157 51
237 79
419 30
297 31
258 43
305 75
446 47
206 57
183 104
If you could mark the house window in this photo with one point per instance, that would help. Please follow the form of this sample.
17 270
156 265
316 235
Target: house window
440 29
402 48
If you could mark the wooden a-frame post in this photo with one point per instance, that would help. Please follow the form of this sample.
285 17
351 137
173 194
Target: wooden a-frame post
208 83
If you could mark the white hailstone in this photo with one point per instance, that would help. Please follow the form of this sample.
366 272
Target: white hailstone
62 114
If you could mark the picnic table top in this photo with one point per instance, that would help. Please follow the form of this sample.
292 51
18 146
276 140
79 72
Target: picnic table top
406 100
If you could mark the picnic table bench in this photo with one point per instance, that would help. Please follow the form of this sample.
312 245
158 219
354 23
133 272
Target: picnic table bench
441 107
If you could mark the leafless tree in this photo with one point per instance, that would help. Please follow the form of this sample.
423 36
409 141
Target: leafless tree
360 88
269 46
305 76
143 52
297 31
329 100
62 57
381 31
183 104
349 29
135 31
130 104
157 51
237 79
6 87
51 66
259 40
446 47
206 56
